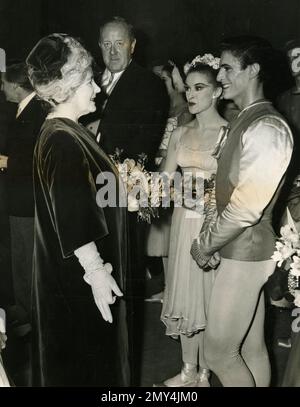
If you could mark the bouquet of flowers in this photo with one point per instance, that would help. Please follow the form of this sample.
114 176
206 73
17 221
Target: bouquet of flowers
287 257
143 193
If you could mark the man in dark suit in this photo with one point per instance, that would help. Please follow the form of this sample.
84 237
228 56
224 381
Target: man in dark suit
16 165
135 103
134 110
133 116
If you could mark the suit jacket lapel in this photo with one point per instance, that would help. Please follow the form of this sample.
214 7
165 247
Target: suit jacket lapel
121 87
28 111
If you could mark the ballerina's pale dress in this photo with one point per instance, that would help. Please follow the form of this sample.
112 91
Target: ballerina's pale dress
188 287
158 238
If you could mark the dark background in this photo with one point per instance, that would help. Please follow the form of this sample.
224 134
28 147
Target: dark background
165 28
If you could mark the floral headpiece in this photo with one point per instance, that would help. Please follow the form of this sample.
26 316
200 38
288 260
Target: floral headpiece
207 59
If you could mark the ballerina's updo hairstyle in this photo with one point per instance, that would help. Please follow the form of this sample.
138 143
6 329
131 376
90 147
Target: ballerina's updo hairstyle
209 71
57 66
207 64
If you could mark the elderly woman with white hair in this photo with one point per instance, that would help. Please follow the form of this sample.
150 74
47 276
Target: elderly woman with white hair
80 252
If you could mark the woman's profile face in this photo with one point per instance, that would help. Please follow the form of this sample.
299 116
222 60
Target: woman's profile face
83 100
200 92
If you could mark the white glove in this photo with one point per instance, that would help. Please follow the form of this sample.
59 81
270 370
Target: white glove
98 275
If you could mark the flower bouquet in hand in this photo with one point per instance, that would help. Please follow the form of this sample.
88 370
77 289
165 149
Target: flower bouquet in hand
287 257
144 191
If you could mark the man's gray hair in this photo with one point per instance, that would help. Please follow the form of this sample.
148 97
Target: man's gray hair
119 20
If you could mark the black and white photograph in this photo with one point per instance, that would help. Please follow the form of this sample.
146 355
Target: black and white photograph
149 196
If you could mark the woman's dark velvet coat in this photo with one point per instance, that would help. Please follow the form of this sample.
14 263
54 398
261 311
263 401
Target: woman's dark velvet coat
72 344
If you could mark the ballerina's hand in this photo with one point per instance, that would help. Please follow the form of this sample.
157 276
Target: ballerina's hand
214 261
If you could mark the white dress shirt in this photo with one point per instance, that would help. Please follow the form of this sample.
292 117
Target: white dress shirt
110 80
24 103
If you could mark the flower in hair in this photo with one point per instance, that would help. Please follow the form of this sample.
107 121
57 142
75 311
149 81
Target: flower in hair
206 59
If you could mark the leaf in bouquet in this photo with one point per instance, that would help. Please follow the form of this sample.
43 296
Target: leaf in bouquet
119 152
116 156
147 213
144 215
142 159
287 263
